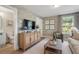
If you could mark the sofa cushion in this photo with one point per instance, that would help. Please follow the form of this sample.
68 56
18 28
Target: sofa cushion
76 48
74 42
76 36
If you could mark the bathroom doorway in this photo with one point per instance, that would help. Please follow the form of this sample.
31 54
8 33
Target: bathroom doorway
7 30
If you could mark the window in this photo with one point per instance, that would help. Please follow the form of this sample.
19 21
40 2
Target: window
49 24
67 23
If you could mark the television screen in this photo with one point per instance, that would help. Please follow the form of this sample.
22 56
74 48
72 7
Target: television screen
33 24
28 25
25 24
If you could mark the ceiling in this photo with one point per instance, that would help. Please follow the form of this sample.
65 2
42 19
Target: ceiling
50 10
4 9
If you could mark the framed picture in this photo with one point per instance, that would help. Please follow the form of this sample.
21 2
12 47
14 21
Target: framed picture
52 22
46 21
52 27
46 26
9 22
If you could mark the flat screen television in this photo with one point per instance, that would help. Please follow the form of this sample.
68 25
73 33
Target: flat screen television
33 24
25 24
28 25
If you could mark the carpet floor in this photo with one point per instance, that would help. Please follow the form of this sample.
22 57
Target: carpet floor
65 48
38 48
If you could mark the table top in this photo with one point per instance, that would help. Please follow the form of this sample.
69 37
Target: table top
54 45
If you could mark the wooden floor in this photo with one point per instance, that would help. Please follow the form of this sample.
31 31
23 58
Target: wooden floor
7 49
39 48
36 49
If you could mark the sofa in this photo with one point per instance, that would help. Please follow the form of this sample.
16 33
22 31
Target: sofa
74 43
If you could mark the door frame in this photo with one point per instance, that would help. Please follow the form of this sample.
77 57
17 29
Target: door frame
15 24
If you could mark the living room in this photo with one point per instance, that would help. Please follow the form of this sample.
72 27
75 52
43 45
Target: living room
44 29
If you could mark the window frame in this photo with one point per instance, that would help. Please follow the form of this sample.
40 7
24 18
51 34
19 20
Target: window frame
68 22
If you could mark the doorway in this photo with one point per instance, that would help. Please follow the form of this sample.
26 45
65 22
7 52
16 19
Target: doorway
7 30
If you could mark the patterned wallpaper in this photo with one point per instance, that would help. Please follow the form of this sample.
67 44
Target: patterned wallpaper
49 32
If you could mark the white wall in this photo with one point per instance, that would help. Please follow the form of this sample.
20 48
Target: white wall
3 36
25 14
39 22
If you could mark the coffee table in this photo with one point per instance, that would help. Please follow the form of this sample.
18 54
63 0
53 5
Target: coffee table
52 47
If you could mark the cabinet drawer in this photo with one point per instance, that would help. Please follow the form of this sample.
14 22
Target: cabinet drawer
27 38
39 35
36 36
32 37
22 40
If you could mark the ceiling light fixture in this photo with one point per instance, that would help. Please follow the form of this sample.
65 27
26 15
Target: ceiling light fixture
56 6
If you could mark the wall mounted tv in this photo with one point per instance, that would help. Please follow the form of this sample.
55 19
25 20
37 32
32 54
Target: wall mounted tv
28 25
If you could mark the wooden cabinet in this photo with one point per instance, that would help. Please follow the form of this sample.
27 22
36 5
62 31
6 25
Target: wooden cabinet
27 39
24 40
39 35
36 36
32 37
